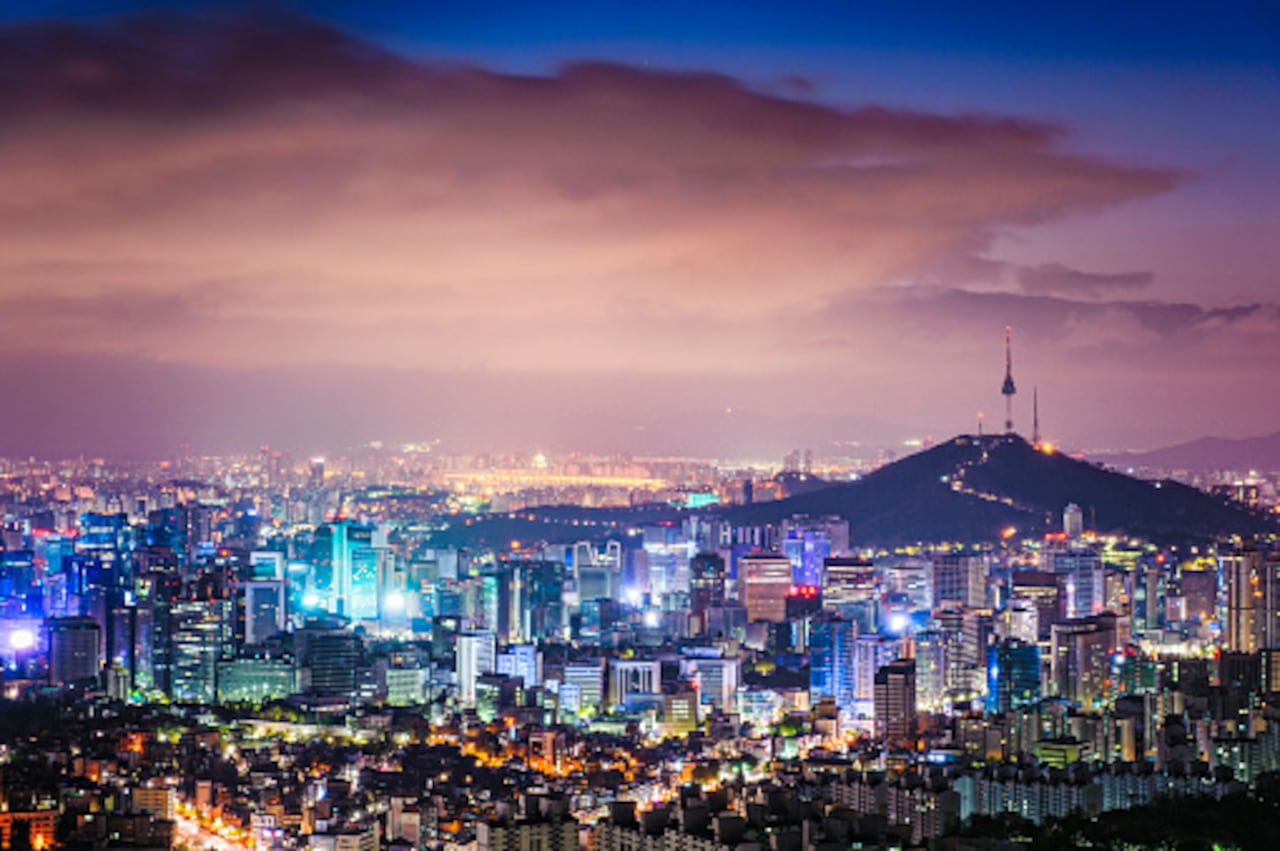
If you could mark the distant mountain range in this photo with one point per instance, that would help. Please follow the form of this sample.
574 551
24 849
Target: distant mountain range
1207 453
968 489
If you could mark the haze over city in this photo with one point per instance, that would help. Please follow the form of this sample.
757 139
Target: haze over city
666 426
720 230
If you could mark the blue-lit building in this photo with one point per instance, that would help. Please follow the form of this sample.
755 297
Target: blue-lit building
806 549
831 661
1013 675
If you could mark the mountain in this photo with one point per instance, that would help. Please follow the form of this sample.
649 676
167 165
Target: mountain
969 489
1207 453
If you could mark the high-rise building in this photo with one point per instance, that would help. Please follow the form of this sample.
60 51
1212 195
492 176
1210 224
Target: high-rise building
264 610
334 660
1019 619
1081 660
808 543
200 636
356 570
895 701
1013 675
870 654
959 580
477 655
586 681
831 662
717 680
541 610
1083 578
706 582
1073 522
75 655
633 676
522 662
849 580
1252 601
765 583
932 648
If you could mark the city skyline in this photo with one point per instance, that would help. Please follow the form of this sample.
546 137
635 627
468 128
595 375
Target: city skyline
719 232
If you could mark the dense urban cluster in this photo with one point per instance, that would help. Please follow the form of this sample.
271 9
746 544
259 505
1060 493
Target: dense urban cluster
258 653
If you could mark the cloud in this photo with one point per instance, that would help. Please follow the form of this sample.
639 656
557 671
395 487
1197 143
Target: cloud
218 193
1055 278
363 195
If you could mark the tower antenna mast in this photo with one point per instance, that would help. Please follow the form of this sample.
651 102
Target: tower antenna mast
1035 416
1008 390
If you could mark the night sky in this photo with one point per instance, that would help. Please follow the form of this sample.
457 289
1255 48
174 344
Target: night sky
717 228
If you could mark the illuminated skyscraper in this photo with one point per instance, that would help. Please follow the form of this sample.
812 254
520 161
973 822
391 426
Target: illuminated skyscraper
1013 675
1252 601
895 701
959 580
333 659
74 650
831 661
706 582
264 610
477 655
765 583
200 637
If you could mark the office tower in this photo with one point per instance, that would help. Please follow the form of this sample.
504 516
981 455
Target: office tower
1149 593
355 568
1083 578
315 474
368 567
264 610
1045 591
477 655
912 578
267 565
831 662
522 662
849 580
766 581
895 701
1199 588
541 609
633 676
1252 601
334 659
256 680
200 636
1019 619
932 649
1073 522
1081 658
807 545
1013 675
706 582
75 655
717 681
586 681
500 592
870 654
959 580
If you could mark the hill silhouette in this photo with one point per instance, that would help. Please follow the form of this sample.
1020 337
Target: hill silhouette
970 488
